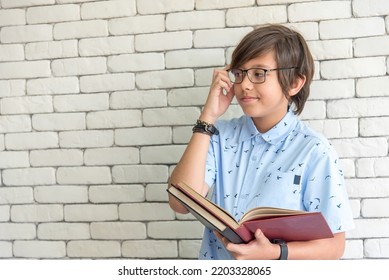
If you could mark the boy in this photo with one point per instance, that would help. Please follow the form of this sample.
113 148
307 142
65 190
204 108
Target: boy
267 157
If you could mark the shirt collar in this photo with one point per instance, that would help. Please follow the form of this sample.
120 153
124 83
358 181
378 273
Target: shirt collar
275 134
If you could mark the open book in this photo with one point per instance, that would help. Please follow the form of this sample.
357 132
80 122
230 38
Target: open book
286 224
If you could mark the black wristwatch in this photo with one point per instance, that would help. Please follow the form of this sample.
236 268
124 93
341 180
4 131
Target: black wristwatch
206 128
283 247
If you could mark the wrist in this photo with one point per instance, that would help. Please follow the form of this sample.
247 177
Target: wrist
207 118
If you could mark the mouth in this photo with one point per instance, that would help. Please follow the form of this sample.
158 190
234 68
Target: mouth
248 99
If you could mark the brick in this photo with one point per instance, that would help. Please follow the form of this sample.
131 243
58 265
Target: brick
26 105
81 103
176 116
374 126
374 86
116 193
54 13
25 69
14 231
106 46
164 6
118 230
375 208
10 159
182 134
189 249
339 128
58 121
136 62
153 249
28 176
353 68
107 82
79 66
11 17
108 9
161 154
314 110
86 139
372 46
138 99
363 8
6 249
51 49
163 41
377 248
26 33
367 188
80 29
139 174
16 195
353 250
318 11
309 30
145 212
93 249
204 58
256 15
25 3
12 88
61 194
361 147
188 96
349 108
114 119
39 249
90 213
195 20
372 167
63 231
264 2
36 213
217 4
84 175
370 228
11 52
52 86
111 156
224 37
165 79
203 77
137 25
56 157
32 140
143 136
332 89
182 230
4 213
331 49
156 192
351 28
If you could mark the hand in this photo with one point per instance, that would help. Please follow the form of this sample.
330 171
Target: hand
220 96
258 249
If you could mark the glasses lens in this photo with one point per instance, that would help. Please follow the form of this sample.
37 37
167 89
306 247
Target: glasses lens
235 75
256 75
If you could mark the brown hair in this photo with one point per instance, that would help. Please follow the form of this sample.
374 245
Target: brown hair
290 50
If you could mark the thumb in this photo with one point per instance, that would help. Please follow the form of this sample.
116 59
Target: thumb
259 234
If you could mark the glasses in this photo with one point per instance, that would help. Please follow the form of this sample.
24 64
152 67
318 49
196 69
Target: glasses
255 75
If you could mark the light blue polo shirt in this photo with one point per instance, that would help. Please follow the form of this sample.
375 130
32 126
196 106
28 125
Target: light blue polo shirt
290 166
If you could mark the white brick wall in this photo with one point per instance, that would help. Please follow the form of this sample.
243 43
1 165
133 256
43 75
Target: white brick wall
97 99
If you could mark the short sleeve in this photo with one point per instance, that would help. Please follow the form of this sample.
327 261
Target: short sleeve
326 191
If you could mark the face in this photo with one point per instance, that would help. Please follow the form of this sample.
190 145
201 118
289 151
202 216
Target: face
265 103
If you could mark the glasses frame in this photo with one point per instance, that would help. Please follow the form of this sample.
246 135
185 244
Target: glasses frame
245 73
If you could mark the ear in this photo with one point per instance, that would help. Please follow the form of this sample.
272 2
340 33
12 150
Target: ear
297 85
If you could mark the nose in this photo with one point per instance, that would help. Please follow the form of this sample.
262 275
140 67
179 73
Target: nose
246 83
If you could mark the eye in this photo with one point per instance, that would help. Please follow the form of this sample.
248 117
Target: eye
237 73
258 73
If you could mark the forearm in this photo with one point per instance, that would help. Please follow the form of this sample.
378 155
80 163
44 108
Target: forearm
322 249
191 168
